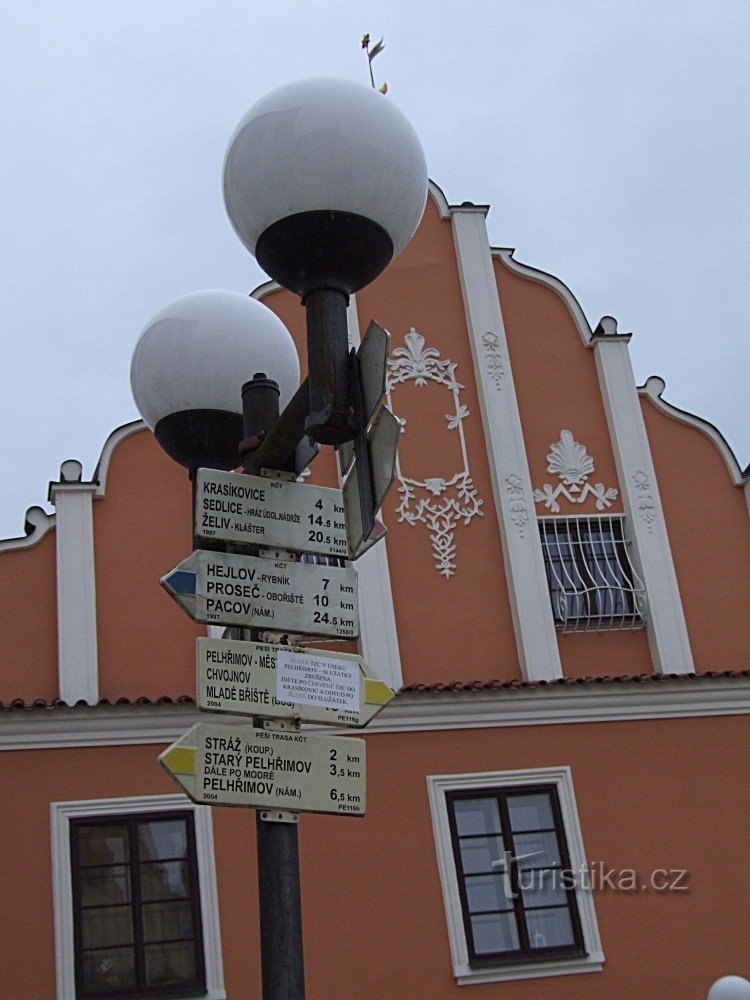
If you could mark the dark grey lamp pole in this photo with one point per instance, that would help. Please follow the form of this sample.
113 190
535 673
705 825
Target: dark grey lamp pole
279 894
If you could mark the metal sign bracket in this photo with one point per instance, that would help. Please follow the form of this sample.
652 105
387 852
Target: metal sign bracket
280 725
279 816
287 477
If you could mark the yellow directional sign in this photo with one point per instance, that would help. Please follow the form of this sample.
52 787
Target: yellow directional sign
287 682
269 769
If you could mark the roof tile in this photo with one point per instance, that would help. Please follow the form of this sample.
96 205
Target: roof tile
437 687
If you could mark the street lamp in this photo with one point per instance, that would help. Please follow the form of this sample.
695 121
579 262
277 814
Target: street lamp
189 367
730 988
325 181
208 375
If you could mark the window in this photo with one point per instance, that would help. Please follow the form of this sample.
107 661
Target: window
593 584
510 858
135 905
513 866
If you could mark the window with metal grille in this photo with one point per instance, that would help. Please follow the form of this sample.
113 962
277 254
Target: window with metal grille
515 884
593 584
137 924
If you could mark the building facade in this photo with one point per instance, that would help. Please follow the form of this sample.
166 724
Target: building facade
560 787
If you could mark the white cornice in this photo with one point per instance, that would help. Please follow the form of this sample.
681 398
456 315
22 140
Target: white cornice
36 524
102 466
28 729
541 277
436 193
266 288
653 389
445 209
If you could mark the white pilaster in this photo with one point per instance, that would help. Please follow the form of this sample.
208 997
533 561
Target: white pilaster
652 556
378 641
76 591
536 638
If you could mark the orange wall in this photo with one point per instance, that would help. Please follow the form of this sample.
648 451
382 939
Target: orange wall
28 597
637 808
558 388
709 534
372 905
142 530
459 627
556 384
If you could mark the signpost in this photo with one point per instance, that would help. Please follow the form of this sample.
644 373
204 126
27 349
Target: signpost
269 769
287 682
372 364
274 513
270 765
382 445
221 588
368 461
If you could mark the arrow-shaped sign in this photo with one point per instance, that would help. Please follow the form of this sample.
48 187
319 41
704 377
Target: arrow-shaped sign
222 588
269 769
382 445
287 682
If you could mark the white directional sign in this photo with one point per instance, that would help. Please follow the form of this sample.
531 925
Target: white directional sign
287 682
382 442
221 588
274 513
269 769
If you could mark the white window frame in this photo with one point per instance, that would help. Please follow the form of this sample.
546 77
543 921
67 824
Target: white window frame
437 786
61 813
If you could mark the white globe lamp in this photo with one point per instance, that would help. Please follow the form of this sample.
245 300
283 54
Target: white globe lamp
325 181
189 367
730 988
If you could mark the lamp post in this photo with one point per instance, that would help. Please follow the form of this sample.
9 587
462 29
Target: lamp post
187 377
325 181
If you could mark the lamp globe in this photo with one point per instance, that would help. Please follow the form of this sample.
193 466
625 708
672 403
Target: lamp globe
189 367
730 988
325 181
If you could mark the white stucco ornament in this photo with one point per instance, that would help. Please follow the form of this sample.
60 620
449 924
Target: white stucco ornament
441 502
570 461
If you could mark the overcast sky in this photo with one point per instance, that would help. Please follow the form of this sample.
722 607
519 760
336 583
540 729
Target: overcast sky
610 138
